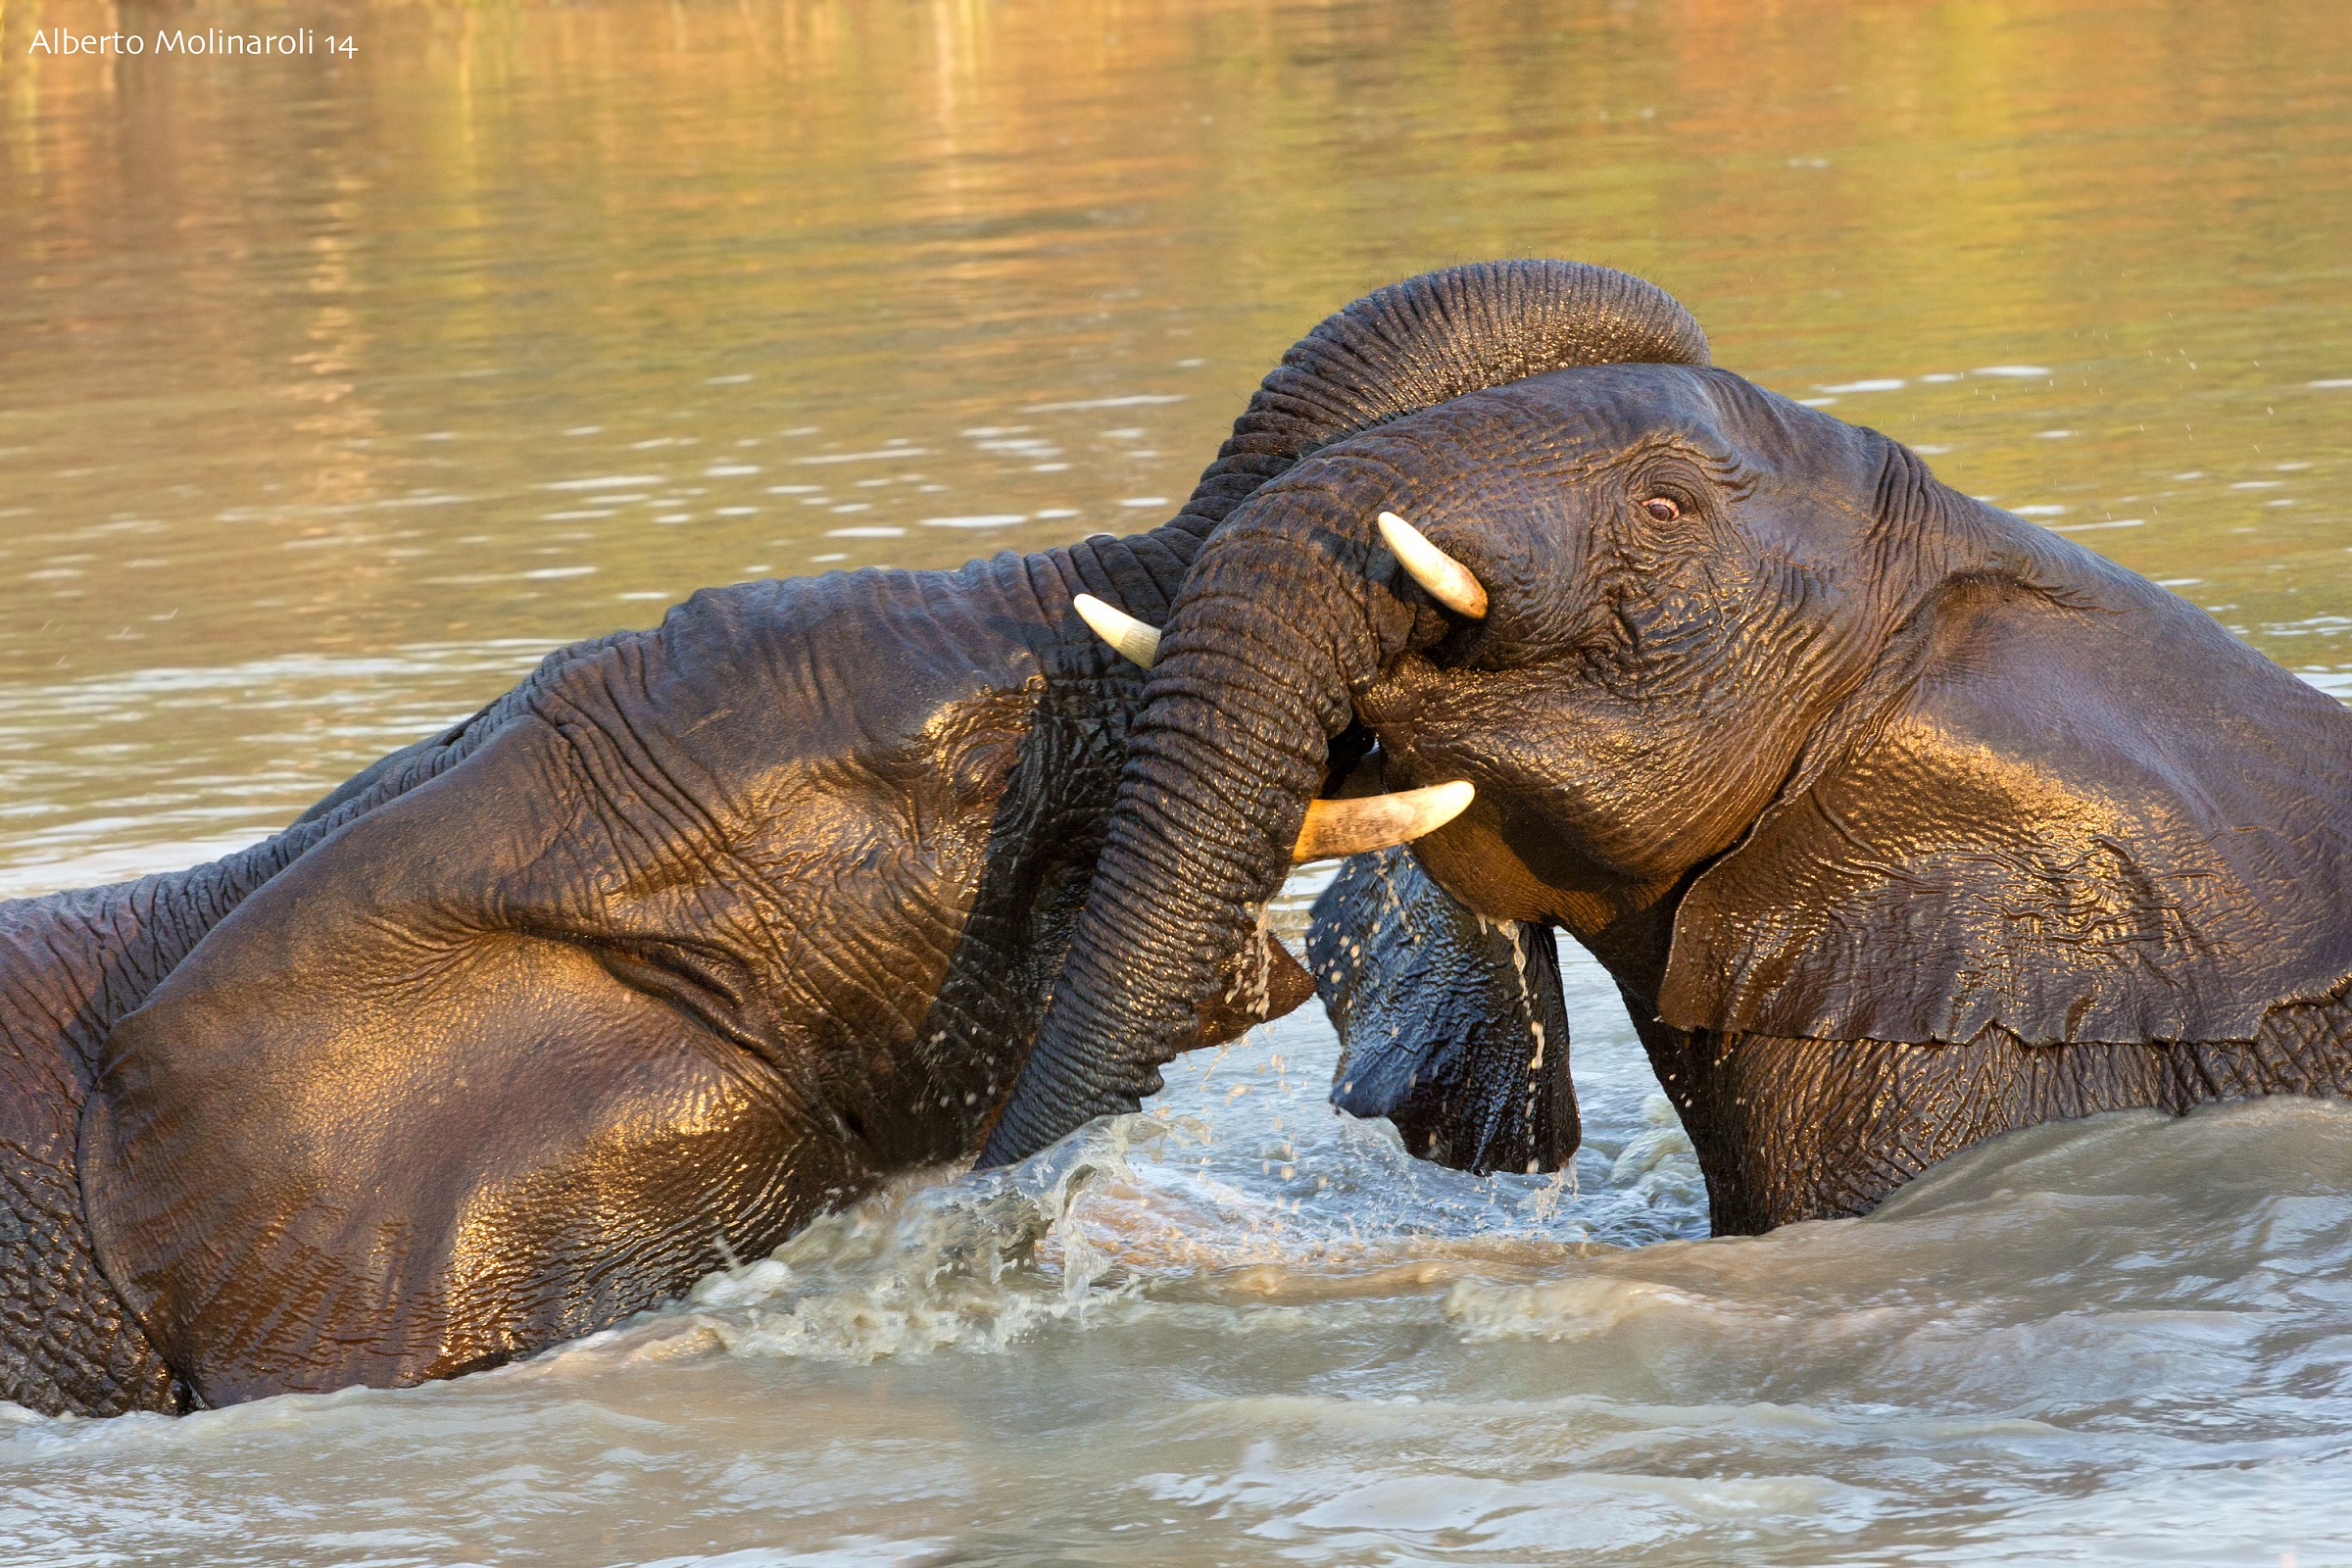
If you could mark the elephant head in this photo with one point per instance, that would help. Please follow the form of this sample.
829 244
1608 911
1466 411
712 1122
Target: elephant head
1796 740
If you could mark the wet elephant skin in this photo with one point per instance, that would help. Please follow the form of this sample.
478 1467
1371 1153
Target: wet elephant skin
1450 1025
1900 821
696 933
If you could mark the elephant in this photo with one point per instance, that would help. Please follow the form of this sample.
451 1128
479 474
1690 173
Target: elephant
694 934
1900 821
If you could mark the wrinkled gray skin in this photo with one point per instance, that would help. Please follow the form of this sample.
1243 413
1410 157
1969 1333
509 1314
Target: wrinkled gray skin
1900 821
1452 1026
694 934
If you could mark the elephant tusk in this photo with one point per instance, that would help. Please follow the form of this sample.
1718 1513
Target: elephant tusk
1448 580
1336 828
1130 636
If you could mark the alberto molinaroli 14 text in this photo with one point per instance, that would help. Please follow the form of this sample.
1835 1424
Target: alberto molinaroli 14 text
179 41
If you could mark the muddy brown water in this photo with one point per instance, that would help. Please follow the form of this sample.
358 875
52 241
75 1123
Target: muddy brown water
336 387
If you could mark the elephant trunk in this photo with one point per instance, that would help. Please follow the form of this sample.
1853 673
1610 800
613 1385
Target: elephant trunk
1216 785
1292 606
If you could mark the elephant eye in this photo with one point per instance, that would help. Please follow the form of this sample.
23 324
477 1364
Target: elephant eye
1663 509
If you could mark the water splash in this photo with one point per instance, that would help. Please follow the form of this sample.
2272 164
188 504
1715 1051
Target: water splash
933 1262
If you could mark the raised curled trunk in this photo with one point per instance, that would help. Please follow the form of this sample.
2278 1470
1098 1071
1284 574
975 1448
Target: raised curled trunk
1289 609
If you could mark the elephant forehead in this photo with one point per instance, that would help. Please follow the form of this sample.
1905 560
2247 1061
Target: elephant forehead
1576 417
1582 419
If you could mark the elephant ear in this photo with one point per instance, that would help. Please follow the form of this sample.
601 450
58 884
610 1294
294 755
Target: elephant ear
2069 819
1450 1026
389 1120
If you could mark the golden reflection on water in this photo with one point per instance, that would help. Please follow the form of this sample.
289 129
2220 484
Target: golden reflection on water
524 320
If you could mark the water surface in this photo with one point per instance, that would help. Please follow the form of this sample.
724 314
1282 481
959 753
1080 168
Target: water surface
334 390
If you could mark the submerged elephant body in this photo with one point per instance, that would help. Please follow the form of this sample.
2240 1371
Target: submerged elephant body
1791 1129
73 965
1900 821
696 933
681 954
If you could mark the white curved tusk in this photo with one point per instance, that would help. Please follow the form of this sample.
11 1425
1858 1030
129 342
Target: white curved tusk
1130 636
1335 828
1448 580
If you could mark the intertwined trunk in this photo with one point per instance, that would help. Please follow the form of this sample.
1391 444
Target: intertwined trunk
1215 786
1291 607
